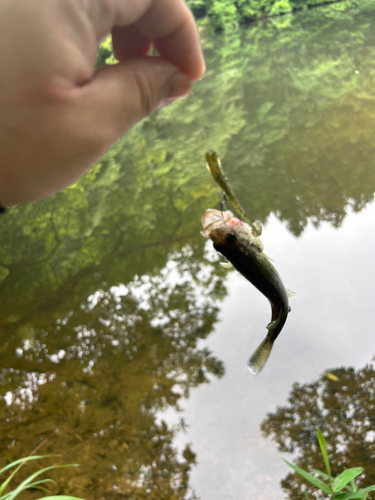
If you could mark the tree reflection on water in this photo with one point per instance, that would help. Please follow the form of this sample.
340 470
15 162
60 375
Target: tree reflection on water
344 411
100 379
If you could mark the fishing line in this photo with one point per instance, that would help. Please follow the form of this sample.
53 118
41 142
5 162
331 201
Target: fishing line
204 133
202 127
213 164
223 207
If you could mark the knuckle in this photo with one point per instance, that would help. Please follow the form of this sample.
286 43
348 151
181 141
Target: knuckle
148 97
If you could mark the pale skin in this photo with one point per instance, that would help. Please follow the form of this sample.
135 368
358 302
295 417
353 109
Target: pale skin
57 115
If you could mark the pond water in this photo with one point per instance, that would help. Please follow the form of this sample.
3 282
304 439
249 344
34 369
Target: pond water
123 342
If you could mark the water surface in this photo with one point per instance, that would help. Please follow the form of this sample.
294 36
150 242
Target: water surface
123 342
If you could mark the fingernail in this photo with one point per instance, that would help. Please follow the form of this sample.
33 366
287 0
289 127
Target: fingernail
179 86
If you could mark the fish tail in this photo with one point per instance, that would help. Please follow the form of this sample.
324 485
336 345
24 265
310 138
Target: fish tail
260 356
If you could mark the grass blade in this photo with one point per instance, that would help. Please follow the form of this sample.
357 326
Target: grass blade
8 480
368 489
309 477
26 482
320 473
26 459
345 477
350 495
37 484
353 486
60 497
323 448
20 463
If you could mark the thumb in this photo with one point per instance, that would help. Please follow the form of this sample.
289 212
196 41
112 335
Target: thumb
123 94
74 129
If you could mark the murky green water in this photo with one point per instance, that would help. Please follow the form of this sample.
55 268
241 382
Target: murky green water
115 313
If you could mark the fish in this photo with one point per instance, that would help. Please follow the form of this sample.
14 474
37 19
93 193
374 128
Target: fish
241 246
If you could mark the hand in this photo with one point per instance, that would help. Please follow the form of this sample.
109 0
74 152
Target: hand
57 115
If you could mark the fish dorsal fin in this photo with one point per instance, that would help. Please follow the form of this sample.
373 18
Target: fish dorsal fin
258 228
290 293
269 258
226 264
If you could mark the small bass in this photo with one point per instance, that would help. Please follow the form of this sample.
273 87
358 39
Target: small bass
243 249
241 246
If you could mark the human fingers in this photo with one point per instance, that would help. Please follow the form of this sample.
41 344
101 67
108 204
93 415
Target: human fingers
125 93
83 123
168 24
128 42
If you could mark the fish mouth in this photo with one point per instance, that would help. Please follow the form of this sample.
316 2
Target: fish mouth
212 219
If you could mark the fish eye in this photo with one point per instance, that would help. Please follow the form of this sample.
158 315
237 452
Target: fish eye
230 237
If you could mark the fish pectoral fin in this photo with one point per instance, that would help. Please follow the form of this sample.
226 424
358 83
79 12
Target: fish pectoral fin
273 324
290 293
258 228
226 264
269 258
260 356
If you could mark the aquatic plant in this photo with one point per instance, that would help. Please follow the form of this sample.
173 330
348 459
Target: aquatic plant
342 487
32 482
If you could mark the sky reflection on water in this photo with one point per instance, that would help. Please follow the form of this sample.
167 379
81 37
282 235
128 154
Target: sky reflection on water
331 324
